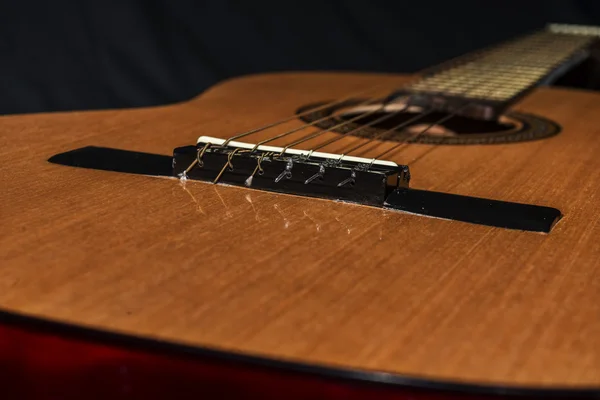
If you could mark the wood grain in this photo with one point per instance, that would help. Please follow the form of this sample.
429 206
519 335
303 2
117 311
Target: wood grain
304 279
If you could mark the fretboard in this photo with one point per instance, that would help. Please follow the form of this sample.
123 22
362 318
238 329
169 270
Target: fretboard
500 75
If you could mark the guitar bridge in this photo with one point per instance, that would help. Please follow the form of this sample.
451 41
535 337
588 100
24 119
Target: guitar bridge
299 172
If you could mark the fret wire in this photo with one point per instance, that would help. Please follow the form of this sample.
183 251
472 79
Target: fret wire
531 58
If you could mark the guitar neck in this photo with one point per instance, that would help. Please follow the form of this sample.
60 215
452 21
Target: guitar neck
483 84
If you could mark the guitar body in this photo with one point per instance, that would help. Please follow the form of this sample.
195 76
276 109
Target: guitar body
310 281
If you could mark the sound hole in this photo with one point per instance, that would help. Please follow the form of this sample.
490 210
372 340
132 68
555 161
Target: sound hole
457 125
433 128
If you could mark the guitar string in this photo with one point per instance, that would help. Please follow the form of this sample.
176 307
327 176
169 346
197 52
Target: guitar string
313 135
376 121
310 136
456 60
390 130
385 133
467 89
411 120
359 128
402 145
415 137
393 129
489 89
313 123
201 151
319 108
319 133
422 114
304 138
305 113
458 82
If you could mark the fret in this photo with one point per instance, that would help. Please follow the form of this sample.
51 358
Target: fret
502 73
575 29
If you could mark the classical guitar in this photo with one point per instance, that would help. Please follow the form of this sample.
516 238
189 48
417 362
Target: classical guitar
315 236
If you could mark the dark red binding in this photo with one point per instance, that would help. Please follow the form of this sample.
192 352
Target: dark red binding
40 364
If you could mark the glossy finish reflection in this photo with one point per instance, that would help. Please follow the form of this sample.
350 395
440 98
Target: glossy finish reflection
229 203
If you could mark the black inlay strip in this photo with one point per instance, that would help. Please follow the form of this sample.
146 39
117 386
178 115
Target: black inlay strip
107 159
476 210
496 213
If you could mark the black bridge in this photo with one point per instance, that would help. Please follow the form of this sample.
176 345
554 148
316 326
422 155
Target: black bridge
382 185
338 179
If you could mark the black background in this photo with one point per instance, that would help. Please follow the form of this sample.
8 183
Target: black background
66 55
